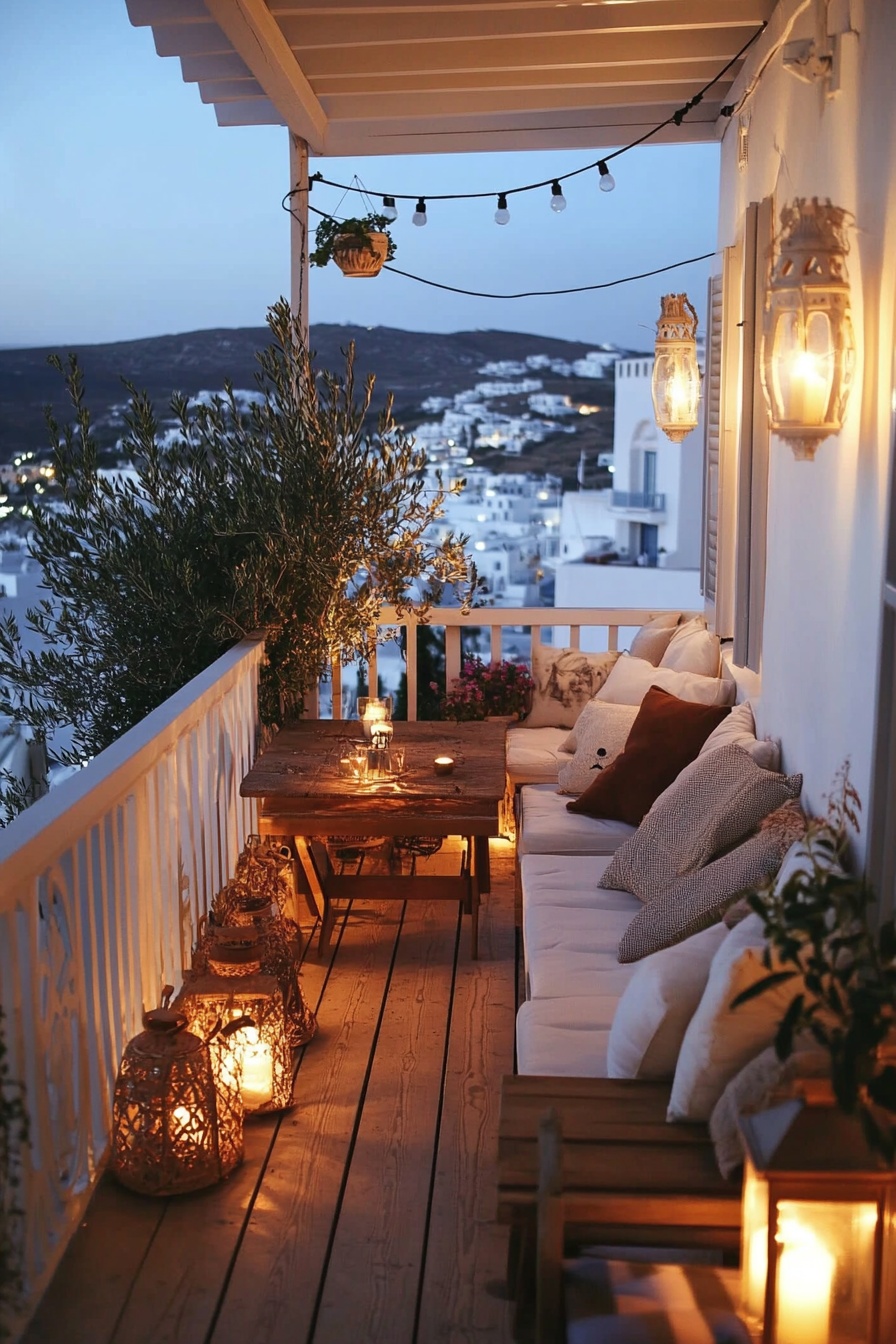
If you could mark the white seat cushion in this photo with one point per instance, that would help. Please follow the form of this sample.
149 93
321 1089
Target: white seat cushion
561 1037
533 755
547 828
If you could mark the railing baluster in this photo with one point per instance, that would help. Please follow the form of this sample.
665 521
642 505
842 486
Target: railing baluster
497 645
452 653
411 667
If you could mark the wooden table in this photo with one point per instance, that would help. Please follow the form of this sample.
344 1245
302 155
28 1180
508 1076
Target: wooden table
305 795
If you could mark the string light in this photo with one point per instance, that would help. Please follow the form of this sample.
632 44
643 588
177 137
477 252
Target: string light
558 200
389 211
502 214
607 180
419 215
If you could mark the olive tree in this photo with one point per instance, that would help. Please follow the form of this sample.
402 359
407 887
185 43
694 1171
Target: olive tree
287 517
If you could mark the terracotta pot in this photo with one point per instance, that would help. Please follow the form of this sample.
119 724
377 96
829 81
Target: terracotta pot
355 259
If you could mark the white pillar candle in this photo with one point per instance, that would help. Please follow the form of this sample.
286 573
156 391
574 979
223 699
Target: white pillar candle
757 1270
257 1077
805 1279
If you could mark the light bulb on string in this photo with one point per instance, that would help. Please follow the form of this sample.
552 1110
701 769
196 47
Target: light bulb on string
558 200
607 180
389 211
419 215
502 214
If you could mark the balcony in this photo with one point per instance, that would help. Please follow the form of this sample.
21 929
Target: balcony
638 501
364 1211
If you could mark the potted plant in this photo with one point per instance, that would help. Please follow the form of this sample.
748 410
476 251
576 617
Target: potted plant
843 970
359 245
488 691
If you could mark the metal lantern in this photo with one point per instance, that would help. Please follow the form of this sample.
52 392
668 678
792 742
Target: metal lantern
808 347
177 1113
675 386
819 1229
260 1049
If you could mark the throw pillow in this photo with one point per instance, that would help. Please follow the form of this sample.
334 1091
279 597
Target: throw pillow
720 1039
631 679
739 730
692 902
652 639
565 680
710 809
693 648
758 1085
601 732
664 737
656 1006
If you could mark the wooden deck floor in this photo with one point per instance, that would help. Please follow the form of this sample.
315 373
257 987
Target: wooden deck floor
365 1213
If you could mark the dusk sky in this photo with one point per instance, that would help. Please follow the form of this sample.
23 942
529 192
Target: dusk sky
125 211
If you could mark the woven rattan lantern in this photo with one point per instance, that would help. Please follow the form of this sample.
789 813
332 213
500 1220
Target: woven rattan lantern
261 1051
819 1229
177 1113
808 347
675 385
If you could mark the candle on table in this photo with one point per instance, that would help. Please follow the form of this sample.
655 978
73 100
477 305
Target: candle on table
443 765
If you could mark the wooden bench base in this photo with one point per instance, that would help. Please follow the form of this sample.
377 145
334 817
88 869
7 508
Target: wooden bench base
628 1176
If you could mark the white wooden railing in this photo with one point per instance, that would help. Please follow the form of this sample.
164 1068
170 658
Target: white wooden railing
103 882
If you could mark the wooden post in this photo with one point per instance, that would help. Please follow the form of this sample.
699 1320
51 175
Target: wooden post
298 231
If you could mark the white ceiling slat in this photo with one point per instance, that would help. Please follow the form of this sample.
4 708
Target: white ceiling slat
520 53
603 84
360 106
144 12
254 34
654 16
190 39
229 90
226 65
251 112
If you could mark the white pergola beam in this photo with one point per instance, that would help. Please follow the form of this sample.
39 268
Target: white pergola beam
255 35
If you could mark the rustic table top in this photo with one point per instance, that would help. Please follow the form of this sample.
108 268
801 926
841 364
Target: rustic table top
299 775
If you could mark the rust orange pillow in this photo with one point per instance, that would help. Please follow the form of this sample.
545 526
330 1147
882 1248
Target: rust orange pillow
665 737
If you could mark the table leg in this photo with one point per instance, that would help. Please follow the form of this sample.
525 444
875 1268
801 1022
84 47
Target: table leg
474 879
316 887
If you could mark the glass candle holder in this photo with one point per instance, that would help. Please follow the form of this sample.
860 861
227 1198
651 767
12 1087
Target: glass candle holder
373 711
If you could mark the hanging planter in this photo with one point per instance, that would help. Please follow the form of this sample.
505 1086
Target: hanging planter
358 246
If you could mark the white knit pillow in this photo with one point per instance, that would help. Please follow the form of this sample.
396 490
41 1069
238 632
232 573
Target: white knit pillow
631 679
739 729
601 733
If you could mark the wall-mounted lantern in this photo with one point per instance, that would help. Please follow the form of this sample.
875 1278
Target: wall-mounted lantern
676 374
808 347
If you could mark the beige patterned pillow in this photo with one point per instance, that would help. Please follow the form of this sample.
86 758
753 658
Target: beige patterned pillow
707 810
601 734
565 680
695 901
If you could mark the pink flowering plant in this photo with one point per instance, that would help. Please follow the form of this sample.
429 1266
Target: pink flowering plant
485 689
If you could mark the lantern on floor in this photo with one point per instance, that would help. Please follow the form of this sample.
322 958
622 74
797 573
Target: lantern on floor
260 1047
177 1113
819 1229
808 347
675 385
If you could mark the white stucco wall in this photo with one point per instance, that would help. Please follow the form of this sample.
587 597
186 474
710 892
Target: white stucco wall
827 518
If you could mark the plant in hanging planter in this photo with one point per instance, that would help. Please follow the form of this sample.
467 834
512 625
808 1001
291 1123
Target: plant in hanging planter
359 245
843 971
488 690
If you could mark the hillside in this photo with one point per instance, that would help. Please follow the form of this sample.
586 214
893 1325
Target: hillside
410 365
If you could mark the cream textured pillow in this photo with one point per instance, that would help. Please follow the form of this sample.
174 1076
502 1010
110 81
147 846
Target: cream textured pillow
720 1039
712 805
693 648
601 733
656 1006
739 730
565 680
692 902
652 639
631 679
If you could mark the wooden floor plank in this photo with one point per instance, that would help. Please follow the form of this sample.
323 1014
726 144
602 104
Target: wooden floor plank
462 1296
371 1286
271 1295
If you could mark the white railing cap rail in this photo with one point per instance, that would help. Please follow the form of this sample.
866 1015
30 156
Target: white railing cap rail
596 616
62 815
